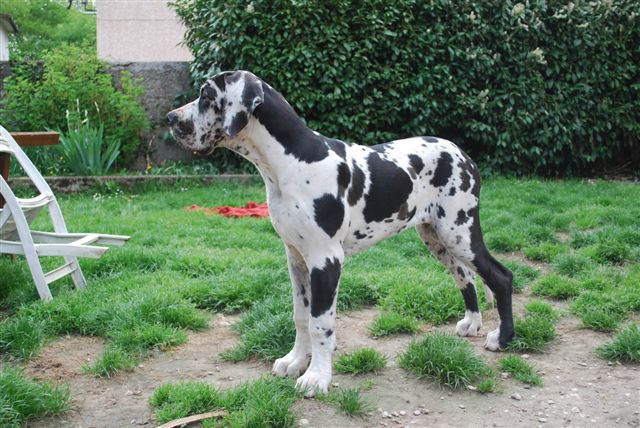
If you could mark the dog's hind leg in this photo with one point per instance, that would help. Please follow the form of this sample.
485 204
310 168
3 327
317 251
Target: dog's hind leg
463 240
324 268
297 360
464 277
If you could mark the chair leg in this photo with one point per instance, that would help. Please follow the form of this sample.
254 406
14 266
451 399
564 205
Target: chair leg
77 275
36 272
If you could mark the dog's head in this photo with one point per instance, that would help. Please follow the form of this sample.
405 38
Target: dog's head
222 110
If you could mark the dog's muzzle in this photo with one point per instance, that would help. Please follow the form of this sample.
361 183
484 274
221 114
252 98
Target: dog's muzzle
179 127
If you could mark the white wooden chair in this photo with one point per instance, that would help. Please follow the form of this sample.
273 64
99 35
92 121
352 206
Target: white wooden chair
17 238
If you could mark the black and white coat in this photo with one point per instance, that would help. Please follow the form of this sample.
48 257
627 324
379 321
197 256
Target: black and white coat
329 199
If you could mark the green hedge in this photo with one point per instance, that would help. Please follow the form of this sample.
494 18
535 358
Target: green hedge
552 87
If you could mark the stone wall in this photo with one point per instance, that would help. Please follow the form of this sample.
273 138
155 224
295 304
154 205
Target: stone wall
164 83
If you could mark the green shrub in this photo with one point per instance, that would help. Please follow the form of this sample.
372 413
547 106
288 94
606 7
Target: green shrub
625 347
556 286
520 368
38 97
362 361
388 323
22 399
447 359
562 98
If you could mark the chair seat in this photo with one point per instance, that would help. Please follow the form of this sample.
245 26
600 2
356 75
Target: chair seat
16 236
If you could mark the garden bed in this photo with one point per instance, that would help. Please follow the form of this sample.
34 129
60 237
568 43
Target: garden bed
74 184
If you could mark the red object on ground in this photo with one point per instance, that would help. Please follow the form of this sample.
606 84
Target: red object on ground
250 210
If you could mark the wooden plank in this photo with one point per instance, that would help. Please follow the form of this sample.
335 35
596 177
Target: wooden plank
30 139
195 418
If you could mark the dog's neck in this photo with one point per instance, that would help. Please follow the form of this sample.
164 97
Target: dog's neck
273 132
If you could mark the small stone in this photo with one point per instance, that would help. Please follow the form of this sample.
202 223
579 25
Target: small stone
580 363
304 422
416 412
395 414
504 375
402 412
542 420
516 396
462 406
386 415
575 410
471 388
525 356
209 373
551 402
527 386
335 384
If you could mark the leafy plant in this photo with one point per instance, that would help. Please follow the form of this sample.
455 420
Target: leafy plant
37 95
86 150
625 347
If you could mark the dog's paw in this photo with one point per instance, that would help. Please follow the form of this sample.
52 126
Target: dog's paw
313 382
493 341
470 325
291 364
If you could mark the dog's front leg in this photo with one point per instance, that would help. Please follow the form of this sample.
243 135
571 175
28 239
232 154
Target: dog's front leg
296 361
324 272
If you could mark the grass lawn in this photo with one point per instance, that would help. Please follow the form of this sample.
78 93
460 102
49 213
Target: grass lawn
180 267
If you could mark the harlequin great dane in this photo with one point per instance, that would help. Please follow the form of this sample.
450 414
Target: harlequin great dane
328 199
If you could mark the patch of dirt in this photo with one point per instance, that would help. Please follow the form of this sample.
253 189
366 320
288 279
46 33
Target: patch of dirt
579 388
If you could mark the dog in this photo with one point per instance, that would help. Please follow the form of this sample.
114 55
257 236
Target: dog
329 199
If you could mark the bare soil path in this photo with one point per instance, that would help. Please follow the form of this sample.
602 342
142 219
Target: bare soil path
580 390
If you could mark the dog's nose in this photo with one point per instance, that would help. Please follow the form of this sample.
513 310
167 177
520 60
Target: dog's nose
172 118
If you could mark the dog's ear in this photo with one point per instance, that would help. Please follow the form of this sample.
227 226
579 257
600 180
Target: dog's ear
243 94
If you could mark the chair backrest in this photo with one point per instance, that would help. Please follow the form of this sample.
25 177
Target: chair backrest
24 161
45 196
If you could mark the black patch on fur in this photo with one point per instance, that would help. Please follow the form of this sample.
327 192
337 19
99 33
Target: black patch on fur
380 148
338 147
328 333
416 163
460 272
305 301
430 139
344 178
324 283
359 235
443 170
390 188
452 191
411 213
238 122
441 212
289 130
462 218
412 173
329 213
469 170
357 185
470 297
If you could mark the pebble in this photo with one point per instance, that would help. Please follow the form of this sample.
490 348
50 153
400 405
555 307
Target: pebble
543 420
386 415
335 384
575 410
416 412
395 414
516 396
551 402
402 413
304 422
472 388
525 356
462 406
